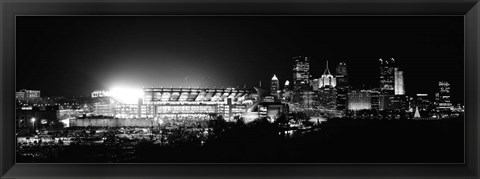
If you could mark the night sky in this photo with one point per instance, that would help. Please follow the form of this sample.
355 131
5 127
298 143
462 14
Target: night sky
74 55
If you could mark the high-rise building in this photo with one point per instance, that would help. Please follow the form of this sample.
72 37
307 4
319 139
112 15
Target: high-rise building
301 72
287 85
308 98
399 82
342 86
375 97
301 78
442 98
327 97
274 86
286 92
387 76
315 84
327 79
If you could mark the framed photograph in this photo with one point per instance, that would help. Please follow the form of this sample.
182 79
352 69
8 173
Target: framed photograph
239 89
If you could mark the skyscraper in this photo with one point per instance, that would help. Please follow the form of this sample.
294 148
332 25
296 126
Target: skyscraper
301 72
287 85
342 85
316 84
387 78
443 102
274 86
327 97
375 97
399 83
327 79
301 78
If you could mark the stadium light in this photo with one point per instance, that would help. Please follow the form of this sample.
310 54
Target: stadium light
126 95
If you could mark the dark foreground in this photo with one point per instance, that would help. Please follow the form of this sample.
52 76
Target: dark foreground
335 141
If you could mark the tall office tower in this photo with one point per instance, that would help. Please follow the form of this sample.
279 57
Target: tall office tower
327 79
342 86
327 97
399 83
316 84
287 85
301 72
443 97
274 86
375 97
387 78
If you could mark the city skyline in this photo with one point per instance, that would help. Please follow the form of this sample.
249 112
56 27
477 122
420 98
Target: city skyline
420 76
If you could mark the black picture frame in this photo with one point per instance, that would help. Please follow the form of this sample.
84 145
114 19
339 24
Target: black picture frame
11 8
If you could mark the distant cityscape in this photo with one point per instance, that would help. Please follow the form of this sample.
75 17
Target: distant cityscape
331 94
302 102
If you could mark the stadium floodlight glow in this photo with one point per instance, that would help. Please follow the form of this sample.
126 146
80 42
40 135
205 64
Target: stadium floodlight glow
126 95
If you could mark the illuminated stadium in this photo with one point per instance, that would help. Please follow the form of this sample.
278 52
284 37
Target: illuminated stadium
176 103
194 95
196 102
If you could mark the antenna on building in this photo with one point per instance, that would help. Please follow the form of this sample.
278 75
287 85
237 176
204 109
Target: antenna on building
260 83
327 70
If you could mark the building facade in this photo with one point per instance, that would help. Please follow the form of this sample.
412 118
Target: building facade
359 100
399 82
100 93
301 72
275 87
28 94
195 102
390 102
327 79
387 76
342 86
327 98
442 98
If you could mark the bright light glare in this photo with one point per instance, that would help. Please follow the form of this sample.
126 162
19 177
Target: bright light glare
126 95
